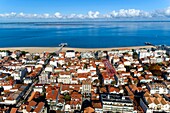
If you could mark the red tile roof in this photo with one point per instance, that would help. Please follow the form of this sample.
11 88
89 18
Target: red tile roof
13 110
39 107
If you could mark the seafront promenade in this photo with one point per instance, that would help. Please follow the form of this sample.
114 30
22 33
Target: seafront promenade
52 49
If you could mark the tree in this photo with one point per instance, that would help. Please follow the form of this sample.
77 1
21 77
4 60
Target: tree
127 68
23 52
155 69
129 81
85 66
133 50
126 53
113 83
79 57
1 89
96 81
67 97
135 55
17 57
53 54
145 67
69 64
135 81
36 57
9 78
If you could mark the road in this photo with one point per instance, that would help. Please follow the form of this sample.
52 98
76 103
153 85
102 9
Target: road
26 94
36 81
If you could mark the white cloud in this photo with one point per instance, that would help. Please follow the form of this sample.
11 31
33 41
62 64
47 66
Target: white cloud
161 13
129 13
21 14
12 14
122 13
58 15
72 16
92 14
167 11
76 16
46 15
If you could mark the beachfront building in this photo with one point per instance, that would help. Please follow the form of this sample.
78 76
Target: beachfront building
87 55
144 53
70 54
4 53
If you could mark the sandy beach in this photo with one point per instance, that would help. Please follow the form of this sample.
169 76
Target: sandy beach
53 49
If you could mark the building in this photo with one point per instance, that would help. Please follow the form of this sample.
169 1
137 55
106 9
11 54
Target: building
154 103
157 88
70 54
86 88
117 103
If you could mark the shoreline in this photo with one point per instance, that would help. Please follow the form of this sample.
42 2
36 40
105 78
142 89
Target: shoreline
53 49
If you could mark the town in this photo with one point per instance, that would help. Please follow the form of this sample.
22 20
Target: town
115 81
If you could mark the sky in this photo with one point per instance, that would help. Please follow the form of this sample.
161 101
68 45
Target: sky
83 9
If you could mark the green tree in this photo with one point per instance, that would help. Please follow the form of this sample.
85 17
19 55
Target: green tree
85 66
96 81
113 83
155 69
79 57
129 81
133 50
145 67
23 52
135 81
36 57
67 97
53 54
9 78
17 57
135 55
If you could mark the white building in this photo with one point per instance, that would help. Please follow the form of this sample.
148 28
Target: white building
64 77
49 68
70 54
4 53
144 54
158 88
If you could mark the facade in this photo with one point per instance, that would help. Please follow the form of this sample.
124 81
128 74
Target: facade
70 54
117 103
71 78
154 103
86 86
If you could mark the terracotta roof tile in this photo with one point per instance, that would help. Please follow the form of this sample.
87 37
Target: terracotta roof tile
39 107
13 110
52 94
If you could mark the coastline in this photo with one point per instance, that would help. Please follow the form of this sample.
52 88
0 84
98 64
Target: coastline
53 49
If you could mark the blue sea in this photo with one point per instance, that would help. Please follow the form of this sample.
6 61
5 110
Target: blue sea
88 34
